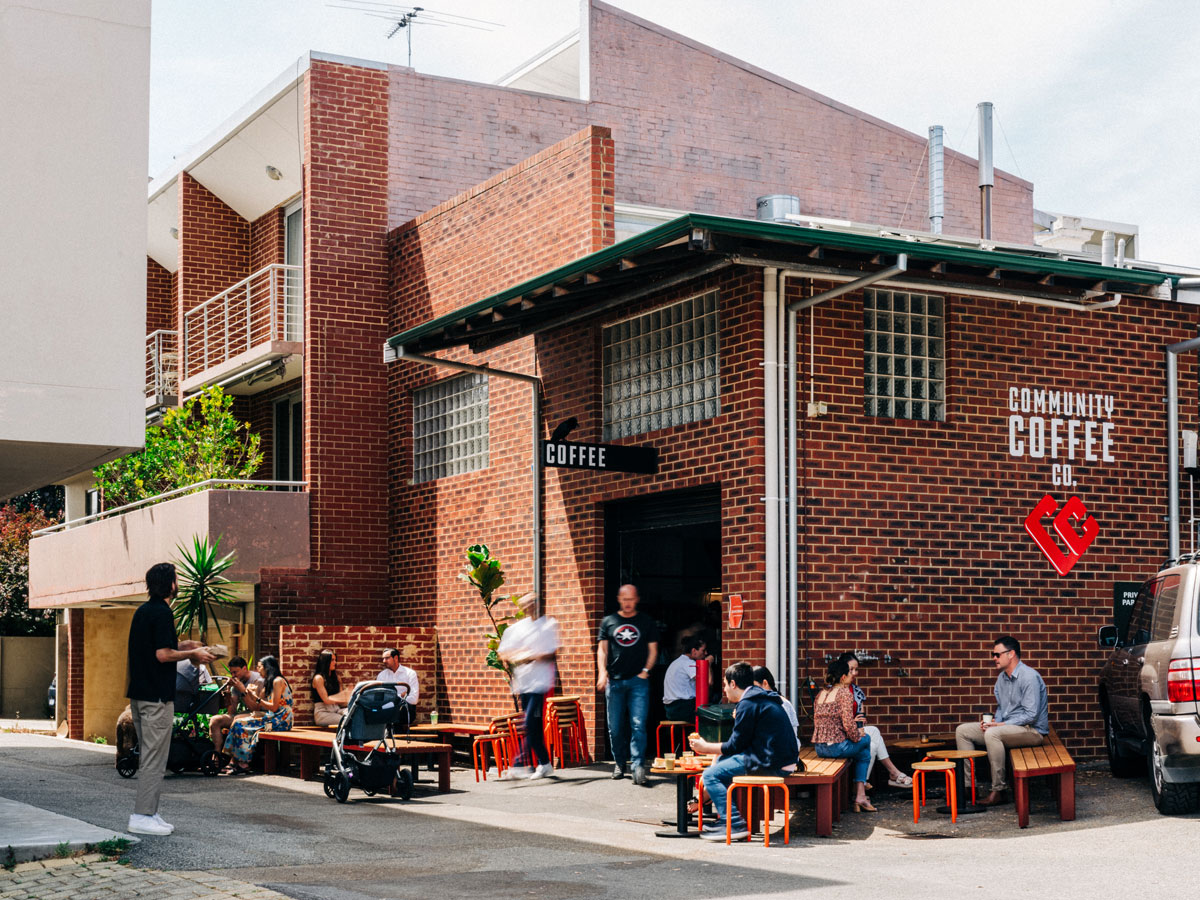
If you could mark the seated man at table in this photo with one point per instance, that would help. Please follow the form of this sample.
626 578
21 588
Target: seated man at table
679 686
405 679
1021 719
762 743
241 680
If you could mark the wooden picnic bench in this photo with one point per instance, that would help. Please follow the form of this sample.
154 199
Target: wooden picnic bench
312 741
830 778
1051 759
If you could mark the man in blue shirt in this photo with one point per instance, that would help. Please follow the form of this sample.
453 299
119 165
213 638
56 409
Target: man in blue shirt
1021 718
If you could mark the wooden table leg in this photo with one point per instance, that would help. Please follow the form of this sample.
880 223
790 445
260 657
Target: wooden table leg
270 756
309 761
444 772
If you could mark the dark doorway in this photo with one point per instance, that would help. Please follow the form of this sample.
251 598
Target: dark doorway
669 547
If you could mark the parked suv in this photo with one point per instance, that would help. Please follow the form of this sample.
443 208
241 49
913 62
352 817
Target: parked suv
1149 688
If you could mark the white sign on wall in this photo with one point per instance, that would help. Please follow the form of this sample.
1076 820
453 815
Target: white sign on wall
1068 427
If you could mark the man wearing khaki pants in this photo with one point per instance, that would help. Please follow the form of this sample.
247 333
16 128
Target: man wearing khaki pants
153 652
1021 718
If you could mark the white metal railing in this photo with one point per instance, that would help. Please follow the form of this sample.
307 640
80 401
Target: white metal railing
267 306
158 498
162 364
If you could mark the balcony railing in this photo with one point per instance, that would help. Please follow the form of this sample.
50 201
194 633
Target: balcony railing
162 364
268 306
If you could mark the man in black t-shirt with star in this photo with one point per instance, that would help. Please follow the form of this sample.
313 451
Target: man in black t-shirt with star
626 653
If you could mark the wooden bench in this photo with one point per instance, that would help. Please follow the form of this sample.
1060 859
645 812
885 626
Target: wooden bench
1052 759
312 741
830 778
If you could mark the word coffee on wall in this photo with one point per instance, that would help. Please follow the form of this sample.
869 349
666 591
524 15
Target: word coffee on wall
1068 428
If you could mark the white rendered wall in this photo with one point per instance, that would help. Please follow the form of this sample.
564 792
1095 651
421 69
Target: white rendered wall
74 113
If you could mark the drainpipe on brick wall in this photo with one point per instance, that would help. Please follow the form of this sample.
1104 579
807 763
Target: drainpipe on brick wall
771 446
535 385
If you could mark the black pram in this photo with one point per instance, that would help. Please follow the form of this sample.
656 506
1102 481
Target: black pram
376 713
191 748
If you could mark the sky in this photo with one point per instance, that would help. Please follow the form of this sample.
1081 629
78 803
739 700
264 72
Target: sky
1095 101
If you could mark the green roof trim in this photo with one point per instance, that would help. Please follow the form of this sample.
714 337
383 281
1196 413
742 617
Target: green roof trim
671 231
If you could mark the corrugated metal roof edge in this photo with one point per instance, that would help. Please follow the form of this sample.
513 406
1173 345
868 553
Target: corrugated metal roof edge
792 234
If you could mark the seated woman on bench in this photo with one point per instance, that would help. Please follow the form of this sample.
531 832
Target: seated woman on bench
329 697
879 751
836 734
276 707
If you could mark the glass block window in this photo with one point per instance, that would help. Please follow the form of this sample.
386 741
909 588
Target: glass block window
662 368
904 356
450 427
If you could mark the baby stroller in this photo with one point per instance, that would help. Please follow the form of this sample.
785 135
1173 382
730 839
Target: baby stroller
374 715
191 748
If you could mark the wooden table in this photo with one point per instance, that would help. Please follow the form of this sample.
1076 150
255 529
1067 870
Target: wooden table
449 728
919 744
312 741
959 758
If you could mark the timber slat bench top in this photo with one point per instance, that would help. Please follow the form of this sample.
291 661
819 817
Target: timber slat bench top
1051 759
826 775
312 740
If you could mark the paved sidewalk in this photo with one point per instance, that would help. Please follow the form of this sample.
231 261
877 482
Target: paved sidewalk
33 833
94 879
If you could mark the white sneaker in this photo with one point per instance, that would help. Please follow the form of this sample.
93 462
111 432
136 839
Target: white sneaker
147 825
163 822
516 773
542 771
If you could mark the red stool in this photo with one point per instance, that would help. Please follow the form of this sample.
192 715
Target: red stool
948 770
768 783
671 725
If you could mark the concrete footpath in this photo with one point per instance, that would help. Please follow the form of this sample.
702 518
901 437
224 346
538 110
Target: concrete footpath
578 835
27 833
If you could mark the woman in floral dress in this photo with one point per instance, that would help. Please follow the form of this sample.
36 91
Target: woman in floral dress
276 706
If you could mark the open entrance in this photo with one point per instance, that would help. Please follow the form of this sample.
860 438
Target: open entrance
669 546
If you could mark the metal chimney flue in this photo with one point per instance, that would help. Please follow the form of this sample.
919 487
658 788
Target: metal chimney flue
937 180
986 178
776 207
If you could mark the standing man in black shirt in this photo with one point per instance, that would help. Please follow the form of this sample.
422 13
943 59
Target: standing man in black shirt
153 653
626 653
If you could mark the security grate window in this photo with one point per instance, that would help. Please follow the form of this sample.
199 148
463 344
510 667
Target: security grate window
662 368
904 356
450 427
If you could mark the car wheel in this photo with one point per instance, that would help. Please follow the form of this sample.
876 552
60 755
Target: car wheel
1121 762
1170 798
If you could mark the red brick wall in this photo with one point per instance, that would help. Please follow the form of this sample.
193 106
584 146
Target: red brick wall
266 240
74 686
540 214
160 301
357 650
345 399
710 140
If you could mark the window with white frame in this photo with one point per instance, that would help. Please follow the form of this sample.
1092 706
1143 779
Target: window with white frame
662 368
904 356
450 427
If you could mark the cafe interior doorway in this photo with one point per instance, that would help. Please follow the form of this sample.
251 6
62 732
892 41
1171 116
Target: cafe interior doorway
669 546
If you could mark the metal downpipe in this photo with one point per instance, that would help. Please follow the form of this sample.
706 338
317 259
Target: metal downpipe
770 448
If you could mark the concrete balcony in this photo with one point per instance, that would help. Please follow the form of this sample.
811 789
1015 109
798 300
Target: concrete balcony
246 334
104 562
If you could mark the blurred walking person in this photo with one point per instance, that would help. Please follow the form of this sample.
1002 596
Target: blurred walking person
529 645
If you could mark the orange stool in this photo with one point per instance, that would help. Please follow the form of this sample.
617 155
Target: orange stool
671 725
947 769
479 753
748 783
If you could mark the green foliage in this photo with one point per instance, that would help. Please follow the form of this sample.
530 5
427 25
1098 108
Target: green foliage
113 848
10 859
62 849
484 572
198 441
16 618
203 586
99 739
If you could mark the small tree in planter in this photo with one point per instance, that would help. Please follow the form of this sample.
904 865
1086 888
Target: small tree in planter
203 587
484 573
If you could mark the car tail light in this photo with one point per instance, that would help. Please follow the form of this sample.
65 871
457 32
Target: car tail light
1182 675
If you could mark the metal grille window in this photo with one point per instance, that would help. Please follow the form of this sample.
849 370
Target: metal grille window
663 368
904 356
450 427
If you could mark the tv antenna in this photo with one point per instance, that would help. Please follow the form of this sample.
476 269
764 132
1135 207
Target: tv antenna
403 18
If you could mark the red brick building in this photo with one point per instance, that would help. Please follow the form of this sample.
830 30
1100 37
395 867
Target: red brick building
480 224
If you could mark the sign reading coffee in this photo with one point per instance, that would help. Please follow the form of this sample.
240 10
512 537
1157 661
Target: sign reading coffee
601 457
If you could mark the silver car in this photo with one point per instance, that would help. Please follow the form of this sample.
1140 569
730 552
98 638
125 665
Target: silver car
1149 687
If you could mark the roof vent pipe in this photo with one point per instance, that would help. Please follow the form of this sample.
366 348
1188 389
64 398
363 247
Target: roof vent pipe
1121 253
986 177
777 207
1108 243
937 184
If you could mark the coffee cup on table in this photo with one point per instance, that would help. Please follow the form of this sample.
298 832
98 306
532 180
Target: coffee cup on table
987 719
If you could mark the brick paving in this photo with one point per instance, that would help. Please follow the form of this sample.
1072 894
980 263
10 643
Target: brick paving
92 878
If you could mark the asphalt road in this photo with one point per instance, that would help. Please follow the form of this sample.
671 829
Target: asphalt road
585 837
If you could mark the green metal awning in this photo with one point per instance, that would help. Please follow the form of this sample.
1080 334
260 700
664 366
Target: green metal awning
695 245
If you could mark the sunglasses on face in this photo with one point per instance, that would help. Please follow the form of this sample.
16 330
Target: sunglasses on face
1001 653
